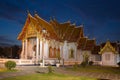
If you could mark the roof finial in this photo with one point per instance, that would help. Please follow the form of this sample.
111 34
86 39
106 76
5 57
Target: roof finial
28 12
53 17
68 21
35 12
108 39
74 23
94 38
50 18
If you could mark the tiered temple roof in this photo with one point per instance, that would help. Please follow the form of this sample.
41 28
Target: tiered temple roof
86 44
67 31
109 47
96 49
112 46
58 31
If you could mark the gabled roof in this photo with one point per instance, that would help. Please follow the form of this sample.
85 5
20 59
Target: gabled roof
86 44
90 44
82 43
114 44
96 49
24 30
47 26
67 31
56 30
39 24
107 48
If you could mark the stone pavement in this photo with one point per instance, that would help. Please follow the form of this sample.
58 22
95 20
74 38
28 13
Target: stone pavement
33 69
100 76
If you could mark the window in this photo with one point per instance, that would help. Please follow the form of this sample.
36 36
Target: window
98 57
71 53
107 57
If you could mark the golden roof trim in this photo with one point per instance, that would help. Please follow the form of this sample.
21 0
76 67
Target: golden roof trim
107 45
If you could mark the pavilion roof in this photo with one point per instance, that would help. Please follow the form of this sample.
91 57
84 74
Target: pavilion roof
96 49
58 31
90 44
22 34
82 43
67 31
108 47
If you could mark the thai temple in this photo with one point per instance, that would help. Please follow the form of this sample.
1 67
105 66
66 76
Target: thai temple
51 41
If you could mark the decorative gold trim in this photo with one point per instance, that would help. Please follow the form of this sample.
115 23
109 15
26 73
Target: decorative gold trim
107 48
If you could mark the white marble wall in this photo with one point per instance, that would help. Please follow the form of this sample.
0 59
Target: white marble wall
110 62
43 49
66 51
79 55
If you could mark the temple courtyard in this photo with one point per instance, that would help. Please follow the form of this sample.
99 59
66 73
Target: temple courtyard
62 73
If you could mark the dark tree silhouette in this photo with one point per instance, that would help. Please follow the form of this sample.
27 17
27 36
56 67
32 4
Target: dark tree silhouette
10 52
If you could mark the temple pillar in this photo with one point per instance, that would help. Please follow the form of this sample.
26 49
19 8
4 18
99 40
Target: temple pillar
46 50
40 49
37 49
75 53
26 48
23 52
65 50
43 47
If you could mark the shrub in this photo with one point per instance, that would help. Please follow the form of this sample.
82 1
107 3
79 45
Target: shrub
75 66
10 64
90 62
50 69
118 64
83 64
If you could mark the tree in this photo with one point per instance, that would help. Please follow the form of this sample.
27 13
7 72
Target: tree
85 59
14 51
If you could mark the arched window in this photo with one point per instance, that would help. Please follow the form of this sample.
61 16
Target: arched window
55 52
34 48
50 52
71 54
58 53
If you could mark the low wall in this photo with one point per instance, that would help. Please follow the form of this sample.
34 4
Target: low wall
71 62
32 62
97 63
18 61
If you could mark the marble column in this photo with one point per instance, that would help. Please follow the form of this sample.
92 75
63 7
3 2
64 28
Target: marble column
43 53
26 48
37 49
40 49
23 52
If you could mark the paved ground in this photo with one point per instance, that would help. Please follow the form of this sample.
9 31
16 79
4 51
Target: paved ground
33 69
102 76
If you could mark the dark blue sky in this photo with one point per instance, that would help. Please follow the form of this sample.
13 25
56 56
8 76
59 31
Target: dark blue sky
101 18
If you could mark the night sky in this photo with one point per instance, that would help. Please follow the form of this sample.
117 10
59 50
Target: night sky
101 18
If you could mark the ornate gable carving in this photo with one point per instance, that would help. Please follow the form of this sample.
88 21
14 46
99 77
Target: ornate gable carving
107 48
31 31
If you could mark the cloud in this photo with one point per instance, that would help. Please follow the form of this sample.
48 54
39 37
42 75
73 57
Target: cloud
6 39
98 9
5 44
11 10
95 14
